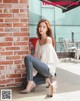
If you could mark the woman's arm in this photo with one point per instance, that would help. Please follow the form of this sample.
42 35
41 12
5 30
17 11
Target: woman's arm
36 49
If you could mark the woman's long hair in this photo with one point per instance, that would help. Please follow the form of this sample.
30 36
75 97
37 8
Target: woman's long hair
49 32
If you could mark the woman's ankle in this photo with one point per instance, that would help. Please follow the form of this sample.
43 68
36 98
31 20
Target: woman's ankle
48 81
30 83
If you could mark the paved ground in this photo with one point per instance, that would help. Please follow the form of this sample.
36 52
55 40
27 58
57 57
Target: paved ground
68 78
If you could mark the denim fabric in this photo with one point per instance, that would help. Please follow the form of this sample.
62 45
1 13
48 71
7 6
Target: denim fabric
43 70
39 79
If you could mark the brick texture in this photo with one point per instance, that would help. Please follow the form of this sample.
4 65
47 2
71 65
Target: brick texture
14 41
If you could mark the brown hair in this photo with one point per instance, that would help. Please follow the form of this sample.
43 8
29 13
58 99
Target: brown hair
49 32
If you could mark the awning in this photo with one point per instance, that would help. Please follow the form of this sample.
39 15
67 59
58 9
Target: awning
65 5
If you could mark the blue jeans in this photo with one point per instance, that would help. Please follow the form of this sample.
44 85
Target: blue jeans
42 69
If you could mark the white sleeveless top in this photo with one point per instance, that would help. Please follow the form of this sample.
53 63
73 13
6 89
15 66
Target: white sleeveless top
46 53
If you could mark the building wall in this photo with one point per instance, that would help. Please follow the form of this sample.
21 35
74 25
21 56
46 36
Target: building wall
14 41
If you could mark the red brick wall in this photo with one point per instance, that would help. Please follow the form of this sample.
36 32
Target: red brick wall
14 41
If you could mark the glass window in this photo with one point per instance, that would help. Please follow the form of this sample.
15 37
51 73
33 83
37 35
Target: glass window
63 24
67 18
33 31
48 13
34 11
38 11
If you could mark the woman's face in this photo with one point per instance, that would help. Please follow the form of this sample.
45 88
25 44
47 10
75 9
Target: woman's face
43 28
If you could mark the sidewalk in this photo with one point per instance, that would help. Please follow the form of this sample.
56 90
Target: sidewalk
68 87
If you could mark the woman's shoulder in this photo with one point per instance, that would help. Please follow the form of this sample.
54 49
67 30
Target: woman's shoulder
49 40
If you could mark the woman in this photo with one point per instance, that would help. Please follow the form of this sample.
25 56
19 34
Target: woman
45 60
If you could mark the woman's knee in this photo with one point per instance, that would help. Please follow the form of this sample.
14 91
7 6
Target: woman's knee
27 57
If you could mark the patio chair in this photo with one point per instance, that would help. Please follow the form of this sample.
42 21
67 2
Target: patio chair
33 45
69 47
61 43
61 47
77 54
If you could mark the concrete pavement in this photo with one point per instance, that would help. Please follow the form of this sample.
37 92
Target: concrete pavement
68 86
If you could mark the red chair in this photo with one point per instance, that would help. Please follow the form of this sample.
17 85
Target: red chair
33 45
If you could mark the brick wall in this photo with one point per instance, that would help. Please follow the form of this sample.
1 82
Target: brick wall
14 41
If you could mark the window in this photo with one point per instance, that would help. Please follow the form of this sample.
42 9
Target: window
38 11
